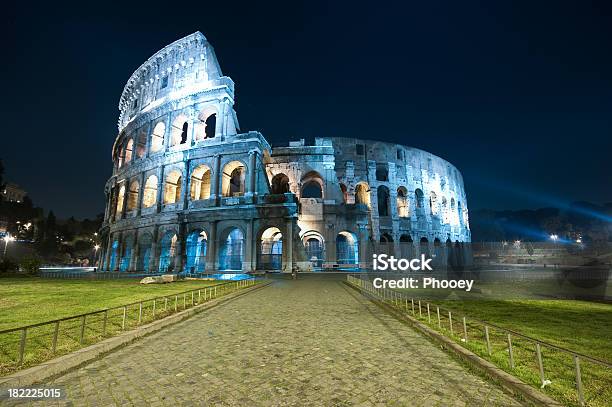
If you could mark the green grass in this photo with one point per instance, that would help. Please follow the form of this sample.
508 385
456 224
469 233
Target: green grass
27 301
580 326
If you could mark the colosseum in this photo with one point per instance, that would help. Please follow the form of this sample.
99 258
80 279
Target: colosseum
191 193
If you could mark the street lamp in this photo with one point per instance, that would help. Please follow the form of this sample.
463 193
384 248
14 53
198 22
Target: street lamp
7 238
96 247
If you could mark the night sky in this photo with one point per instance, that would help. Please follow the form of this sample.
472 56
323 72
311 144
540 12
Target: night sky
516 94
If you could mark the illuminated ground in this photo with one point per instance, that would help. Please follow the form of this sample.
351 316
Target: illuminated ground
309 342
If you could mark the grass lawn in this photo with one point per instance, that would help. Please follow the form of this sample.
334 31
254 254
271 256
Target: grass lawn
581 326
25 301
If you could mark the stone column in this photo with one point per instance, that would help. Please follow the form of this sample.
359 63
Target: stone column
211 255
179 258
154 262
140 194
109 249
160 188
186 185
288 267
215 179
250 192
250 252
363 247
126 194
135 254
220 123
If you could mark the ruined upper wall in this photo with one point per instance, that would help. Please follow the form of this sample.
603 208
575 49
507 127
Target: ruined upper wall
187 66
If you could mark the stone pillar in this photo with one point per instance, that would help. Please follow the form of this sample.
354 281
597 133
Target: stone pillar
179 258
211 255
160 189
363 246
250 252
140 194
185 184
135 254
288 266
220 123
215 179
168 133
154 262
251 184
330 243
109 249
126 193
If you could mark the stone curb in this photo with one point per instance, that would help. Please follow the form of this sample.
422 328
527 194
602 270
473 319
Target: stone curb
511 383
62 364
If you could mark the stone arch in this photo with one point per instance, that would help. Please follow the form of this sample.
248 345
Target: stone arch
205 128
362 194
403 210
406 246
231 253
233 179
195 249
129 148
172 187
200 183
120 198
314 245
280 184
178 130
150 192
347 248
433 203
141 144
157 137
132 202
127 247
419 198
312 185
270 249
384 198
114 254
143 262
444 210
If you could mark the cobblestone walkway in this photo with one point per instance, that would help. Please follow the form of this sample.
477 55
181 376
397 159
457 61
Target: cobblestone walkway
296 343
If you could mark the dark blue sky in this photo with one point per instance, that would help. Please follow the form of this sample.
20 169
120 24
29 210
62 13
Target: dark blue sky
516 94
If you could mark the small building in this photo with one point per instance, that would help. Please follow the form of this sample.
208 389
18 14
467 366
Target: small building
13 193
191 193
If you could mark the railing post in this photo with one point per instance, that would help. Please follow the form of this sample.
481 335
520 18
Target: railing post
55 333
579 381
540 363
175 303
104 322
199 296
406 304
487 339
165 304
139 312
184 301
123 320
450 322
22 345
82 336
465 330
510 352
154 306
420 312
412 301
215 291
439 320
192 300
428 314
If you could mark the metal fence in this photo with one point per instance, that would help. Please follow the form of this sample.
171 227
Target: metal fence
570 377
32 344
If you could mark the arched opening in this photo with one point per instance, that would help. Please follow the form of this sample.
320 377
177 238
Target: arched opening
347 248
114 255
157 137
143 262
120 199
280 184
167 252
362 194
195 250
129 147
172 188
402 203
231 254
406 246
344 192
459 213
178 131
210 126
453 214
232 183
419 198
444 210
150 192
132 202
126 253
271 250
382 172
314 245
141 144
424 246
312 186
386 243
433 203
120 157
383 201
200 183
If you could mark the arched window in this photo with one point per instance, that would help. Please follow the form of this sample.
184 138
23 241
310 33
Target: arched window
362 194
141 143
383 201
433 203
459 213
150 192
157 137
126 253
232 183
132 202
419 196
312 186
403 210
114 255
314 245
200 183
178 132
280 184
271 250
128 151
211 124
382 172
167 252
444 210
172 188
344 192
347 248
231 254
144 253
195 251
120 199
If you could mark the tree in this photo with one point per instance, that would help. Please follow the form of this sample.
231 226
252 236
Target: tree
1 175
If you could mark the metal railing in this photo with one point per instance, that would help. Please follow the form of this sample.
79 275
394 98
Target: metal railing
32 344
560 372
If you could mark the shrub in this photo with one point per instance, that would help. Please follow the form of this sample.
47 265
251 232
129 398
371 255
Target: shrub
8 266
30 266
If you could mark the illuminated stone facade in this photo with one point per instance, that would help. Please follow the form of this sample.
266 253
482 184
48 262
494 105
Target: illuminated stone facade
191 193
